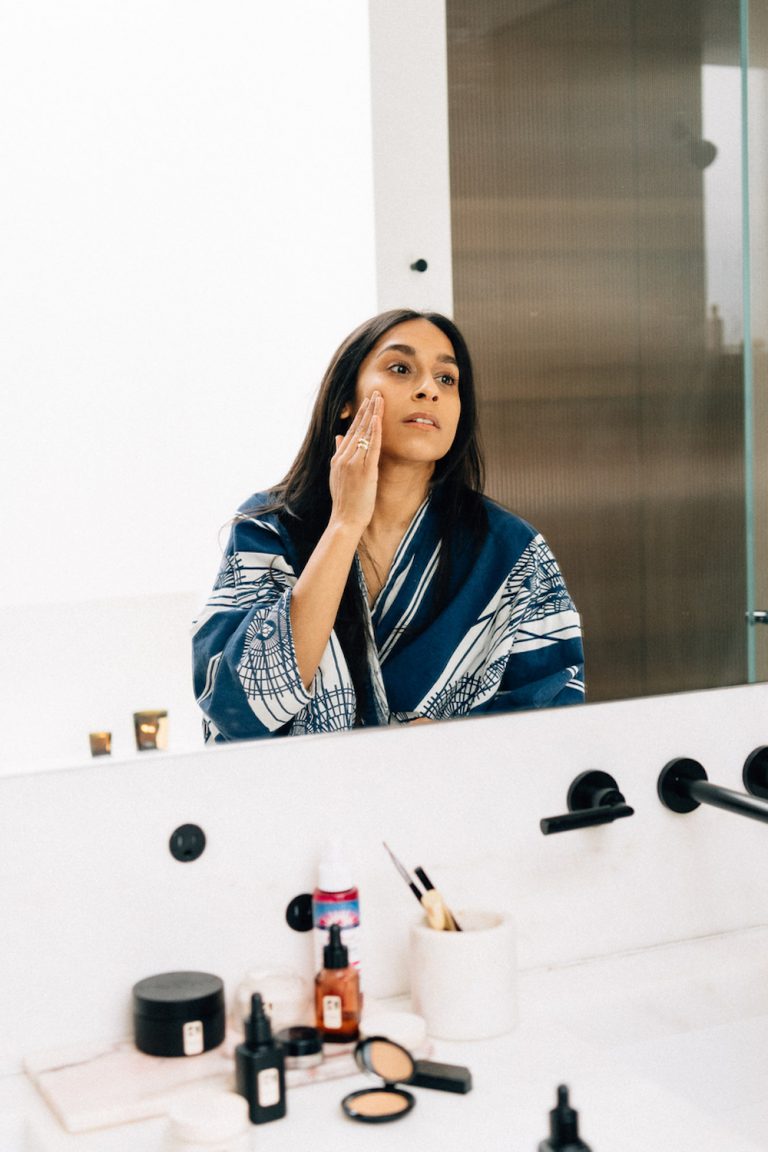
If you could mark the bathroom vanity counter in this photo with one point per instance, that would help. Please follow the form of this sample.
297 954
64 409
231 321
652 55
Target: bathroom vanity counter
662 1048
641 944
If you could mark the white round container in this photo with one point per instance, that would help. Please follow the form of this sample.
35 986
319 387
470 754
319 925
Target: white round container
209 1122
464 983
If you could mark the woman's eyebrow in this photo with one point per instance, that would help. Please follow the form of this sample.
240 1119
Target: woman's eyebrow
407 350
404 348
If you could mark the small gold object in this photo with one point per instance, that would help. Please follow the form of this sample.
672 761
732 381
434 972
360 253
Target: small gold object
363 443
101 743
151 730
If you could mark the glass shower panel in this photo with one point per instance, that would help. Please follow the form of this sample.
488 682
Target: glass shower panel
755 134
610 389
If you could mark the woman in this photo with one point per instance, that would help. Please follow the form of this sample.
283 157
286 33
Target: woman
375 584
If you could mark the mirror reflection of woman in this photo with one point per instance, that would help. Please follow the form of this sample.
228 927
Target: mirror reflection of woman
375 584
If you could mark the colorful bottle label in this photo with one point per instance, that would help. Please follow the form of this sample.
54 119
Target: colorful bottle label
343 912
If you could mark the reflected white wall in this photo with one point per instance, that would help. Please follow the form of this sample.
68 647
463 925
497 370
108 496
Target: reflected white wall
187 232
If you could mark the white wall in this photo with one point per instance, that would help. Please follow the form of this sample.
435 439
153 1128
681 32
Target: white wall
187 233
409 92
91 899
87 666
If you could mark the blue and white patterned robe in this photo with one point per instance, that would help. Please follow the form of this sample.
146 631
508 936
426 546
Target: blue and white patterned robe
509 637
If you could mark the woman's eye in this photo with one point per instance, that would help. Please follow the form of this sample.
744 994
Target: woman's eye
400 369
446 378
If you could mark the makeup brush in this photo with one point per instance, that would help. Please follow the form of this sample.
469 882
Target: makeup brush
434 909
452 923
416 891
438 915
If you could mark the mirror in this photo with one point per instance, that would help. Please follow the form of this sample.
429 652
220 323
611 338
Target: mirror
193 211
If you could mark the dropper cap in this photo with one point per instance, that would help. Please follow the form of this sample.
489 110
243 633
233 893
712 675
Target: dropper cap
563 1127
258 1027
335 954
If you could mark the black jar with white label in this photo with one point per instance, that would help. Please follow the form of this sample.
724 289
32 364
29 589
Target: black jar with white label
178 1013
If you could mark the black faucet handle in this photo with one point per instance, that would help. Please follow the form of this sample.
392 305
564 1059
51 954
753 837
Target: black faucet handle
587 819
593 789
593 798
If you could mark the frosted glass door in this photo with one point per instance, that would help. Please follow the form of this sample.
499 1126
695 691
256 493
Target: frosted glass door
597 187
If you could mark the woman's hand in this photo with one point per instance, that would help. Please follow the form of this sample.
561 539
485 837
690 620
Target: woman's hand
355 468
353 481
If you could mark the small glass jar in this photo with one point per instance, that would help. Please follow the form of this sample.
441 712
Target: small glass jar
287 998
303 1046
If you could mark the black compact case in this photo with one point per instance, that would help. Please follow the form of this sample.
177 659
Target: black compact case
444 1077
178 1013
396 1066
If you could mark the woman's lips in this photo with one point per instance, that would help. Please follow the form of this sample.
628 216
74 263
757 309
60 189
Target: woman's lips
422 420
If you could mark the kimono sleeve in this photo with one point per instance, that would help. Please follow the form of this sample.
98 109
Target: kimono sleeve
545 665
246 677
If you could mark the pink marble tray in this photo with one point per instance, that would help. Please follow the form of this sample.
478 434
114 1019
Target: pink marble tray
99 1086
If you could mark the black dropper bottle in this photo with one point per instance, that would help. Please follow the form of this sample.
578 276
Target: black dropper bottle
259 1066
563 1127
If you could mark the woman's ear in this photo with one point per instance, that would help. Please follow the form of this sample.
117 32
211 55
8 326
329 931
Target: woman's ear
346 412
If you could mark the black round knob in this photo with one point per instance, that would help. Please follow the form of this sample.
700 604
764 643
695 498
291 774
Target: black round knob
187 842
419 266
299 912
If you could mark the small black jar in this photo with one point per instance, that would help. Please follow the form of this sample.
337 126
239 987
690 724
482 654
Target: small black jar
178 1013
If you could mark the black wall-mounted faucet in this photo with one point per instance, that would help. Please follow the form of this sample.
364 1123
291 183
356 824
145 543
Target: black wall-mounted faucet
593 798
755 772
683 786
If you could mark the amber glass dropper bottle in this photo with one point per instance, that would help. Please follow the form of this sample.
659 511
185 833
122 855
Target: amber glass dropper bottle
337 992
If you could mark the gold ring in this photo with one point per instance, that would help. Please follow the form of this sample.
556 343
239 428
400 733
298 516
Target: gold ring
363 443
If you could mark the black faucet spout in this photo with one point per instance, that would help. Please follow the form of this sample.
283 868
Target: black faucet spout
683 786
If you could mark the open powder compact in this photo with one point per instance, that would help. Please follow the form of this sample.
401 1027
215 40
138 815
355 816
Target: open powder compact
395 1065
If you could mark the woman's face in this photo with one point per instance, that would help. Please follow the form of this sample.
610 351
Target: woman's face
414 368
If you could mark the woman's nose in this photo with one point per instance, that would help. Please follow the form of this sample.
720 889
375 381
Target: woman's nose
426 387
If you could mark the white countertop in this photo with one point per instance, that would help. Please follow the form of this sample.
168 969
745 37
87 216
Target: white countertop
662 1049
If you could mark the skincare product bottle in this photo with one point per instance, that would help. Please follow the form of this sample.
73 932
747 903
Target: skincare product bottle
337 992
259 1065
336 901
563 1127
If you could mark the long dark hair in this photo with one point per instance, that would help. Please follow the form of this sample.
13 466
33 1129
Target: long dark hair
302 499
